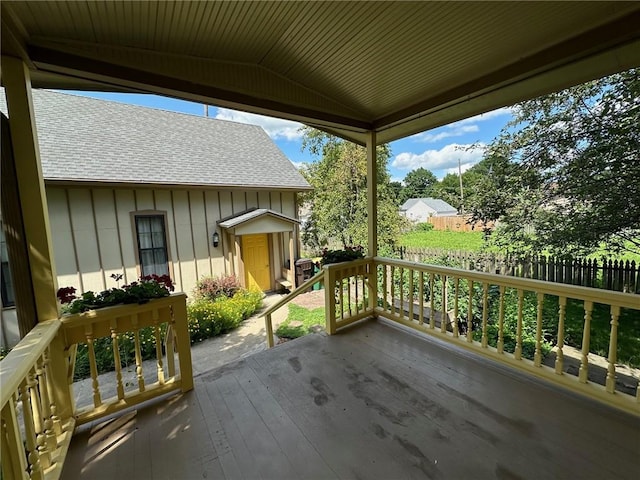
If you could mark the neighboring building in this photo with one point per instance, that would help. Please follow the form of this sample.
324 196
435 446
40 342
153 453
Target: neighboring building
134 190
419 210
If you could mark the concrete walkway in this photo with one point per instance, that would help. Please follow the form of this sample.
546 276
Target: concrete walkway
249 338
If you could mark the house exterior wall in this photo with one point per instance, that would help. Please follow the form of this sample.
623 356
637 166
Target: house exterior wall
420 212
94 235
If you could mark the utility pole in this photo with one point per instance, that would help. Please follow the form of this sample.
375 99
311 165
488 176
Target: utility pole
461 191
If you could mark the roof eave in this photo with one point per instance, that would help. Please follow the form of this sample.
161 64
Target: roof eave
162 185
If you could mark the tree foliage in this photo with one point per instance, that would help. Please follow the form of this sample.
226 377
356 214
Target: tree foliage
418 183
338 202
565 171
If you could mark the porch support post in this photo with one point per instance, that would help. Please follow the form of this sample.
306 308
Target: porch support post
372 216
372 195
33 200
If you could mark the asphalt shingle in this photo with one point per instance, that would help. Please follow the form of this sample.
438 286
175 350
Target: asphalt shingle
85 139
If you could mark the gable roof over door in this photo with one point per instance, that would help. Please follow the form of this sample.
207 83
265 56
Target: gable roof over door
258 220
88 140
349 67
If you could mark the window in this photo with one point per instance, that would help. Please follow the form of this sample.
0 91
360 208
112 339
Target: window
7 282
152 245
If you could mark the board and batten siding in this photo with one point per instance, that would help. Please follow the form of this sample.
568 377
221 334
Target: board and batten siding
94 237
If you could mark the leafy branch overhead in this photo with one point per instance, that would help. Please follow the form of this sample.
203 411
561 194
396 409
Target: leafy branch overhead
338 202
565 171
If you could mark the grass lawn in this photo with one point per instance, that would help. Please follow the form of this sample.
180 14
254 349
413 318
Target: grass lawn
300 321
471 241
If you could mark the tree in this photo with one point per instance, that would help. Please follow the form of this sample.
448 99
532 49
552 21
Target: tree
418 183
569 169
339 199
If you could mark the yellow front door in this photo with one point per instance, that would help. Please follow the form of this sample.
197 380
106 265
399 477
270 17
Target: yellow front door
255 255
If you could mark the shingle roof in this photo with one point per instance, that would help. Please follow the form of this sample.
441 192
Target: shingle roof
85 139
435 203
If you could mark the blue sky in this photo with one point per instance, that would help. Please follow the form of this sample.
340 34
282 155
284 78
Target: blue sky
437 150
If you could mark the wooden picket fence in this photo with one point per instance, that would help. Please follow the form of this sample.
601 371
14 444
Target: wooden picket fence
606 273
458 223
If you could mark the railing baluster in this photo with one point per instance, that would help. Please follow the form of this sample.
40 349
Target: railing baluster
169 348
269 329
444 318
421 298
501 321
401 293
470 313
613 350
93 367
356 291
537 356
33 457
342 280
363 276
393 288
583 374
45 405
37 418
562 311
116 358
456 286
138 352
411 297
432 316
485 314
11 447
56 424
385 287
518 351
158 339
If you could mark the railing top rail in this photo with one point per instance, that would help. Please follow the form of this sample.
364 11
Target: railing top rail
15 366
100 315
301 289
625 300
352 263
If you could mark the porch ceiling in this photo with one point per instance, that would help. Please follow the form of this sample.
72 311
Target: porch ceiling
347 67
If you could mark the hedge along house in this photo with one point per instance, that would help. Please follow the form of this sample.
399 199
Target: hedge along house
134 191
371 401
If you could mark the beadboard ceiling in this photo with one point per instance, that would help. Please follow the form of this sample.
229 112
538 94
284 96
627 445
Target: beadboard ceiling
397 68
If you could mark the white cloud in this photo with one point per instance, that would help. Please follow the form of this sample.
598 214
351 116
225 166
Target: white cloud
275 127
299 165
445 158
463 166
459 128
453 130
486 116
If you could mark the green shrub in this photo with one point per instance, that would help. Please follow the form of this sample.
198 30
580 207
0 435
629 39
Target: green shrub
211 288
210 318
423 227
338 256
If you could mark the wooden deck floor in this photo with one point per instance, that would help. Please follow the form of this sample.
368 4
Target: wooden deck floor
373 402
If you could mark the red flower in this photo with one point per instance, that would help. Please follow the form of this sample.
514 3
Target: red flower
66 294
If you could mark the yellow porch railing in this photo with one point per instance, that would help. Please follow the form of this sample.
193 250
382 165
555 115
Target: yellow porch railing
468 309
37 418
453 305
348 296
38 405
